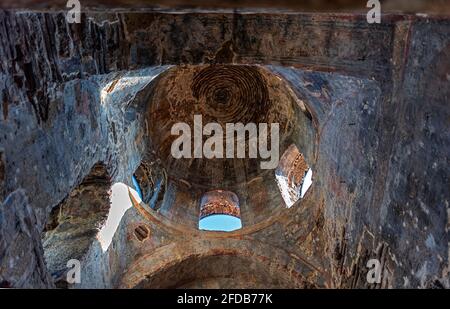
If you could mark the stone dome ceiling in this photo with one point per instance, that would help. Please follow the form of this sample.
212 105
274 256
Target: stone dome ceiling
222 94
87 108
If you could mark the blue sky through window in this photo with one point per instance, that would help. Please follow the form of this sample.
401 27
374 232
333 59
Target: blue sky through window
224 223
136 186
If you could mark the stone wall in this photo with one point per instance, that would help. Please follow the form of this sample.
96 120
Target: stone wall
22 261
377 96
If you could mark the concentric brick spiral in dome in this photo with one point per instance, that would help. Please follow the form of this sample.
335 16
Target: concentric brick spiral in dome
221 94
232 93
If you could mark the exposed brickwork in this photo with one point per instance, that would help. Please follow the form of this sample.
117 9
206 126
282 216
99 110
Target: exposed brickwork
220 207
290 173
298 170
219 202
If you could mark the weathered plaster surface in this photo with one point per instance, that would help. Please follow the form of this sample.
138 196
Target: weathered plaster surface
376 96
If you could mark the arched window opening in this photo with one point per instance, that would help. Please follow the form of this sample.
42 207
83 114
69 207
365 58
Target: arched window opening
293 175
219 211
120 203
149 181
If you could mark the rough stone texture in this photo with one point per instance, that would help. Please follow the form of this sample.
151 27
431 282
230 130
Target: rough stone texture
22 261
410 6
152 179
371 104
76 140
2 174
219 202
75 223
378 204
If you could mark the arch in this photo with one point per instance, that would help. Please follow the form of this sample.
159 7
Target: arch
120 202
219 211
293 175
261 96
151 180
177 265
